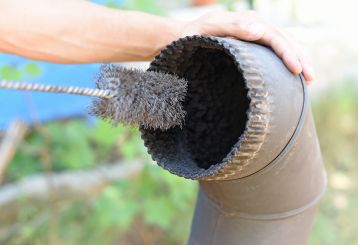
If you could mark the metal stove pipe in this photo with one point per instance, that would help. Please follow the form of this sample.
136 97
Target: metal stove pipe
249 138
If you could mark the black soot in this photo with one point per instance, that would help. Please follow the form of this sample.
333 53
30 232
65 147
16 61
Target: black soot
216 106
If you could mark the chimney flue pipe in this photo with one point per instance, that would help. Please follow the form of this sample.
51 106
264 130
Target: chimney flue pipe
249 139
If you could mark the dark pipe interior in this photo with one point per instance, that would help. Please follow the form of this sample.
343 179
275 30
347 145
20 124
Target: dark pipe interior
216 105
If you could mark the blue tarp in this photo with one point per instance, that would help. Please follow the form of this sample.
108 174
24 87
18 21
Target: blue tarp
31 106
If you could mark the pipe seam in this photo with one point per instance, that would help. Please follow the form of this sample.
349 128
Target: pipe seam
272 216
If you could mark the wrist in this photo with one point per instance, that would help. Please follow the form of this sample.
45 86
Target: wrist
173 30
146 34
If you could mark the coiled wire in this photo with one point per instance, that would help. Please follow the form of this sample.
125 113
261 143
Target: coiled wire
14 85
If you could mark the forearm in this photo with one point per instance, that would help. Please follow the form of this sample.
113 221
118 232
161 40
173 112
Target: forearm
67 31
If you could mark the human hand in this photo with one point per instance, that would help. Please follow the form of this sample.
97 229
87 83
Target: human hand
249 26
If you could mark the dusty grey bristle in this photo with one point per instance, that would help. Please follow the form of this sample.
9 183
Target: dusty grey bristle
146 98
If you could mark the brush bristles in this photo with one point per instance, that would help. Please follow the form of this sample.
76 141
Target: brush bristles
145 98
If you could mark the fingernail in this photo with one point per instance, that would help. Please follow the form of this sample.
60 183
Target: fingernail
256 29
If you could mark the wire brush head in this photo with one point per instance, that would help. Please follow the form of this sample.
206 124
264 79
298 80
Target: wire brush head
146 98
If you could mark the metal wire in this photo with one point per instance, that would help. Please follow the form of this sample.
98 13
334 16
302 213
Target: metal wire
13 85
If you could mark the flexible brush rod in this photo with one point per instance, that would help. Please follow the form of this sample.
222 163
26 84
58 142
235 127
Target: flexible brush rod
13 85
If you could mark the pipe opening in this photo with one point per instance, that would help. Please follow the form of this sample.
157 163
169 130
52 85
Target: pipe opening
238 119
216 105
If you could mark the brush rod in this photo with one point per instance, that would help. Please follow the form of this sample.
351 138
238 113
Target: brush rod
13 85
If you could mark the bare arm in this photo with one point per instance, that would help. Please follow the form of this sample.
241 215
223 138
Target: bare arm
69 31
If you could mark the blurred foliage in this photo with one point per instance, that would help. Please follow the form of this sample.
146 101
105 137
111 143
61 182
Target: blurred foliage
161 7
154 208
156 205
149 6
20 71
336 118
229 4
74 145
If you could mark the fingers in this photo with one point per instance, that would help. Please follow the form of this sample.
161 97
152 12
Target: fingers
308 72
307 69
248 26
290 53
283 49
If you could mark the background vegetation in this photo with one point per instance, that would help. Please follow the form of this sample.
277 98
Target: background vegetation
336 117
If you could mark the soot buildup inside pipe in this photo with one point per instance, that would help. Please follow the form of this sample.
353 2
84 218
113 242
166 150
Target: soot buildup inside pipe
216 106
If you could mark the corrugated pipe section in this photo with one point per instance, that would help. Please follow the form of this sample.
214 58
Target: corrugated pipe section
249 138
